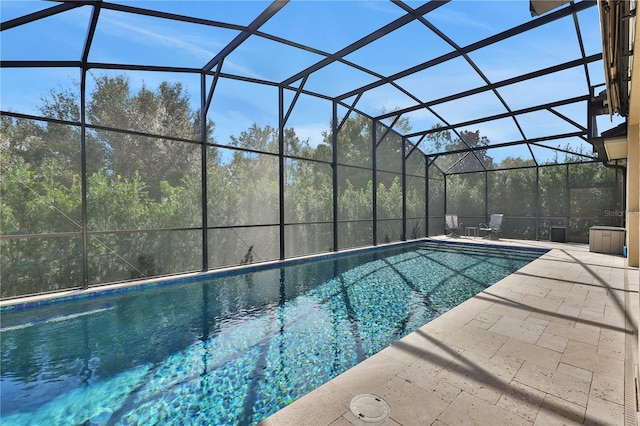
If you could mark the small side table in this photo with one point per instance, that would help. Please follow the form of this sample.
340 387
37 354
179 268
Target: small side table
471 231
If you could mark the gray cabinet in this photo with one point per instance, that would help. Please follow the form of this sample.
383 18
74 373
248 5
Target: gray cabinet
606 239
558 234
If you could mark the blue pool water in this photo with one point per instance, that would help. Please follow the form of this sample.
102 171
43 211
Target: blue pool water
229 349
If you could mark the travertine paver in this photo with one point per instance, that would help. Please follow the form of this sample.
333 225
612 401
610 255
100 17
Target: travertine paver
477 340
544 346
611 343
371 376
558 411
577 333
522 400
553 342
585 356
322 407
527 331
580 373
480 376
607 387
441 388
412 405
485 320
522 351
507 308
470 410
543 304
603 412
558 383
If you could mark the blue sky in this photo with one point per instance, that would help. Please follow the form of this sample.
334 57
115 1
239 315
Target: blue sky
327 26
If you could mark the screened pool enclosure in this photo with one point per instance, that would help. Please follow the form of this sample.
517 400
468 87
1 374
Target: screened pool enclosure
149 138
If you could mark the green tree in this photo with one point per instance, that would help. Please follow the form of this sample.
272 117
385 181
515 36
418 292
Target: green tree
128 189
437 139
38 202
474 160
165 112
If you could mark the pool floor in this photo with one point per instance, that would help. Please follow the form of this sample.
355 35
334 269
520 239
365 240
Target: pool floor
546 345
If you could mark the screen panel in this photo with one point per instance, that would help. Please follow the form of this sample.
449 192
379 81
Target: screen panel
125 256
243 245
308 239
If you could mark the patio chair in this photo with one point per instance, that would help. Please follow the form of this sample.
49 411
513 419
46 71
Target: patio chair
494 228
452 226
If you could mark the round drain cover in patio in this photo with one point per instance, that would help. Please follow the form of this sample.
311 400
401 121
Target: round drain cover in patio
370 409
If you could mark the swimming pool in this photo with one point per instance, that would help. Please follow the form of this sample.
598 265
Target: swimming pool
231 349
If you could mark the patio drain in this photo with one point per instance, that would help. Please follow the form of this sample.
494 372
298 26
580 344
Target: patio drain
370 409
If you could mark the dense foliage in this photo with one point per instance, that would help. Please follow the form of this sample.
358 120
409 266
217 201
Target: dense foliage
144 211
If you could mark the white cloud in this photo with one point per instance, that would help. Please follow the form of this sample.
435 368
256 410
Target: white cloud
145 35
451 17
203 49
382 7
234 68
